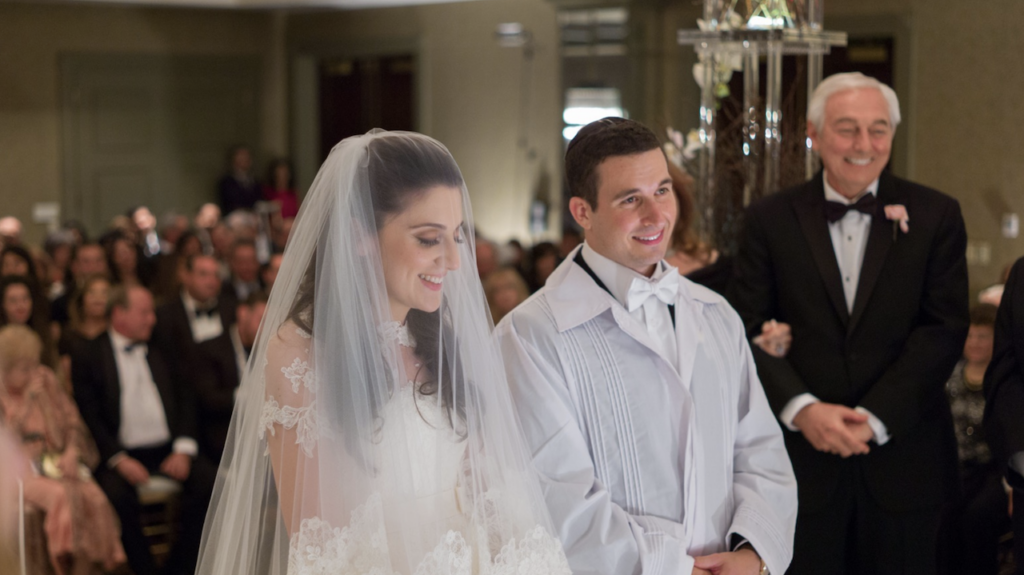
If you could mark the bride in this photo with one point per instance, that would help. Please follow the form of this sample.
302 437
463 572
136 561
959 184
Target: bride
374 432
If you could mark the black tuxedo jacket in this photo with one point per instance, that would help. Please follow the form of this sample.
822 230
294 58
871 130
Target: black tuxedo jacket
1004 380
210 368
97 388
892 354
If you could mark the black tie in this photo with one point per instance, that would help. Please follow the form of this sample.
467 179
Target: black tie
208 312
867 204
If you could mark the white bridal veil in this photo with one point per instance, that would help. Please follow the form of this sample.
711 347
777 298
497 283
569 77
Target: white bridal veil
346 457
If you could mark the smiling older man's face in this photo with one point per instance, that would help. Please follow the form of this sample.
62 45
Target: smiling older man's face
856 139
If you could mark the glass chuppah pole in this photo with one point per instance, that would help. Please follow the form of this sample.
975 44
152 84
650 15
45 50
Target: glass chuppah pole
754 29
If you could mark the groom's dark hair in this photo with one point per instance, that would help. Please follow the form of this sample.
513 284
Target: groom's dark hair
600 140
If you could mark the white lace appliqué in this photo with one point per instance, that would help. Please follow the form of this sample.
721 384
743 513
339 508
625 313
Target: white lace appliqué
393 331
362 548
300 374
303 419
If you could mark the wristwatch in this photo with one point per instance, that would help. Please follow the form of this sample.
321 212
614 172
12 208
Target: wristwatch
764 567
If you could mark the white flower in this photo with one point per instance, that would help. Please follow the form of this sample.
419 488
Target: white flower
694 144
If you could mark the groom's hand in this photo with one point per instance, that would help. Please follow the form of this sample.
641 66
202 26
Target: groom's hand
743 561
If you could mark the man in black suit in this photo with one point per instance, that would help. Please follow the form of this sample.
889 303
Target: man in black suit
877 308
143 422
238 189
194 329
1004 397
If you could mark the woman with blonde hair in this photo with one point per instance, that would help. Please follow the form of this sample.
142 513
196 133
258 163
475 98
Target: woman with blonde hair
80 532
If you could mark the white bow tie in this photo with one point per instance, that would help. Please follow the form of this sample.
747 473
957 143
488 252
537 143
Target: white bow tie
664 289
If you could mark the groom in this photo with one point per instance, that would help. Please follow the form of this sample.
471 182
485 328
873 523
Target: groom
640 402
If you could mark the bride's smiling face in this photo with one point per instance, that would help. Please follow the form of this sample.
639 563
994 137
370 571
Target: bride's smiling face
418 247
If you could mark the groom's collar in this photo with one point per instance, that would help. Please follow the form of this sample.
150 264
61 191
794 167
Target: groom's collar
575 298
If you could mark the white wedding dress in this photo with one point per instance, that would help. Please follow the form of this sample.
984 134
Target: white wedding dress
335 463
361 546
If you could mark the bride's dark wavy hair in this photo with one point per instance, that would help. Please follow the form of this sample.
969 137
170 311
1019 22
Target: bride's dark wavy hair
400 170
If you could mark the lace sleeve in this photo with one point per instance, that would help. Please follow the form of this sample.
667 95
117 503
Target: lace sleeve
289 422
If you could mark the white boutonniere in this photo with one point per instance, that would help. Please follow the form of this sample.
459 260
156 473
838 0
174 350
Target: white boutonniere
898 214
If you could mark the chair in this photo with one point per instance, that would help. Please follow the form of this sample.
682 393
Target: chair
160 501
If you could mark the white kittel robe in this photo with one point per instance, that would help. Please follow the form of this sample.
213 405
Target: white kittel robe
645 467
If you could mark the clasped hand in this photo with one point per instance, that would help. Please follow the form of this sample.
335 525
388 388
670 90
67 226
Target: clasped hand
743 561
835 429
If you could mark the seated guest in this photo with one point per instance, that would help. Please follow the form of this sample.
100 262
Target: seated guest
88 316
245 269
193 328
59 245
505 289
86 260
123 260
16 261
982 515
268 272
542 261
22 304
143 422
80 531
243 337
10 231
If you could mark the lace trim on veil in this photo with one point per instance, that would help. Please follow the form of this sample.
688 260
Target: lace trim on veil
362 548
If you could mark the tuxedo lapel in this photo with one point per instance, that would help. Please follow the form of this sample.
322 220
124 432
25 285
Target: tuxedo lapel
879 241
810 211
111 382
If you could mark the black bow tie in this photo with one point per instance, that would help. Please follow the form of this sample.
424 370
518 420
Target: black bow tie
867 204
208 312
136 345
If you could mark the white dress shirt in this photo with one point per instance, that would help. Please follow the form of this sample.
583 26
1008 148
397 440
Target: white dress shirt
204 326
654 314
143 421
849 240
646 464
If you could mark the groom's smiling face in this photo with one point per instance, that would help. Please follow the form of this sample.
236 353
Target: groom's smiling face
635 212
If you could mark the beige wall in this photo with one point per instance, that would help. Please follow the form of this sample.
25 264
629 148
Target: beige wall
963 81
969 81
32 39
469 95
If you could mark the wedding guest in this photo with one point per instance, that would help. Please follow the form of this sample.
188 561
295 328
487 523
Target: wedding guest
540 263
16 260
87 259
245 269
980 517
238 189
695 259
123 261
88 312
868 271
59 245
486 257
81 532
268 272
505 289
10 231
143 422
280 188
1004 395
193 327
21 304
637 392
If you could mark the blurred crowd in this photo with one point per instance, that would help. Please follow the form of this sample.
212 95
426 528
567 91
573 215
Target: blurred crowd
190 290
